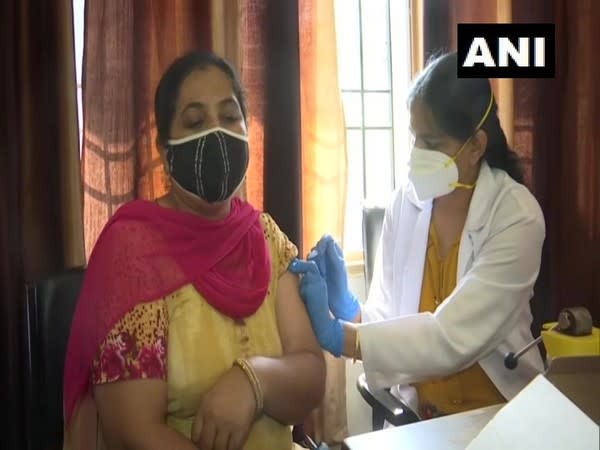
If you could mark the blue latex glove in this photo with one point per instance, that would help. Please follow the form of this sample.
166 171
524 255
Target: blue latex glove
313 291
329 258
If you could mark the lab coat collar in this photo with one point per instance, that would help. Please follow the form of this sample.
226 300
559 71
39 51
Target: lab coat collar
485 189
412 197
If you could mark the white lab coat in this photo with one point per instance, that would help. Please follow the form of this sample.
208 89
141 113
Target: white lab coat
488 313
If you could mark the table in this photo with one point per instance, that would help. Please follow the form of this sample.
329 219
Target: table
450 433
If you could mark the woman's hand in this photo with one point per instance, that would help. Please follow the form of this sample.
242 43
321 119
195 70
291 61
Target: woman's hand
329 258
313 290
226 413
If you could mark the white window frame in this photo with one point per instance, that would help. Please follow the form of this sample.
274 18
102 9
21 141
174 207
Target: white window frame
398 34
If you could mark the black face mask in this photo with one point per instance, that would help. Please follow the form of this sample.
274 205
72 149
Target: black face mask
211 164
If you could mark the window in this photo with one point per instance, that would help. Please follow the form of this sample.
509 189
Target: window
78 24
374 64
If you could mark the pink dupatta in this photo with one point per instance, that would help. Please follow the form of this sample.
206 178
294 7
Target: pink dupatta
147 252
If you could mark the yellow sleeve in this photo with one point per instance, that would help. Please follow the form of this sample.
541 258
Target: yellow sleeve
281 247
136 347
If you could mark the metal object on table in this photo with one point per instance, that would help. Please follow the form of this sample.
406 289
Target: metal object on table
572 335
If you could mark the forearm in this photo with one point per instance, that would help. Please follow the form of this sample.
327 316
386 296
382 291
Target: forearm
351 349
293 385
155 437
133 413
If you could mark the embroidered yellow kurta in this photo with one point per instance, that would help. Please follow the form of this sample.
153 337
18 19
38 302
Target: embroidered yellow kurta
185 341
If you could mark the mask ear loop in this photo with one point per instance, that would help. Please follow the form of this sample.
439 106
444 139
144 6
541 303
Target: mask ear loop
477 128
487 113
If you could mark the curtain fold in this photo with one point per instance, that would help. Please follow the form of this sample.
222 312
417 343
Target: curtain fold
52 213
324 177
252 55
269 66
282 170
128 45
417 38
562 135
11 236
225 29
323 131
225 36
40 190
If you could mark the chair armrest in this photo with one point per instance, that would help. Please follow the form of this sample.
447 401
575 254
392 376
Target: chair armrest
303 439
393 409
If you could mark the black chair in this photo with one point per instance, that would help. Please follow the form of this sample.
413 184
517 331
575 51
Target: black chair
49 312
385 406
371 227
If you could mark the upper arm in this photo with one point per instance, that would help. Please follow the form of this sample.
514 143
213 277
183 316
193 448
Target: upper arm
295 329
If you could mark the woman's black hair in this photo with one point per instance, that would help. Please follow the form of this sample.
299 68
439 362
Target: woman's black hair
167 92
459 104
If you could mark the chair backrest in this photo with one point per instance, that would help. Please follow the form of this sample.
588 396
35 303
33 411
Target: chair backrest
49 312
372 224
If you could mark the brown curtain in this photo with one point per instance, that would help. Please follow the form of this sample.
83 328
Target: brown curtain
225 29
269 66
252 55
40 191
323 127
128 45
556 121
552 125
323 139
288 63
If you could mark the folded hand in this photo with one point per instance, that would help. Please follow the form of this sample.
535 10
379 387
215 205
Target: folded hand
226 413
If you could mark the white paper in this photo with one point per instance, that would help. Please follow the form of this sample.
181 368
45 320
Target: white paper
539 417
